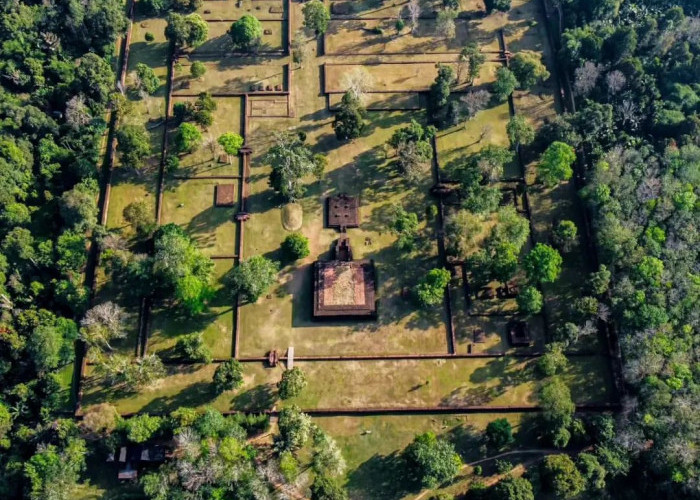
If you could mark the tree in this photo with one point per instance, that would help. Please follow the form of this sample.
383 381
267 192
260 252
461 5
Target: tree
440 91
504 261
181 269
295 428
520 132
146 78
192 348
100 419
246 32
327 488
316 16
445 24
250 279
504 85
186 31
560 475
430 290
5 425
461 230
542 264
499 433
432 460
197 69
188 138
599 281
133 145
414 13
553 360
528 68
327 459
412 159
139 215
500 5
585 77
79 205
555 164
228 376
475 101
291 160
357 82
102 324
474 58
529 300
512 488
405 225
296 246
292 383
349 121
557 409
231 142
141 428
565 235
53 472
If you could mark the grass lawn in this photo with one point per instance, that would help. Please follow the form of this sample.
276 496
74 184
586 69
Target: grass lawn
209 159
107 290
232 75
283 318
372 445
219 42
190 204
129 186
216 323
354 384
357 37
225 10
416 76
487 127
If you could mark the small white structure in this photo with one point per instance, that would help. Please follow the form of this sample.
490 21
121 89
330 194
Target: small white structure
290 357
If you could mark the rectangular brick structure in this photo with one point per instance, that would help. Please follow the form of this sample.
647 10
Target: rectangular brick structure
225 195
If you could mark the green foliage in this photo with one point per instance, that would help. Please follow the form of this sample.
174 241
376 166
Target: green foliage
349 120
133 145
565 235
529 300
553 360
592 471
186 31
53 472
555 164
399 25
528 69
188 138
499 433
520 132
512 488
405 225
289 466
327 488
197 69
327 459
149 37
5 426
296 246
231 143
139 215
292 383
542 264
295 428
557 410
430 290
79 205
252 278
440 92
291 160
432 460
472 54
228 376
147 80
192 348
246 32
501 5
316 16
141 428
181 268
560 475
504 85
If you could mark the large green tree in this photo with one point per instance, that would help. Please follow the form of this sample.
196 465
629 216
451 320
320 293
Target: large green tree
432 460
251 278
246 32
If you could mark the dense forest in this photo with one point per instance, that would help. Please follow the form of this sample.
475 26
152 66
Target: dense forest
634 73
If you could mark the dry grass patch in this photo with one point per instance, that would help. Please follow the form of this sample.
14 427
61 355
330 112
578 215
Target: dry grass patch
232 75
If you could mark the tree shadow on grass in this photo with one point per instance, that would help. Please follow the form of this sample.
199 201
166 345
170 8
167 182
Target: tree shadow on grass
382 476
259 398
197 394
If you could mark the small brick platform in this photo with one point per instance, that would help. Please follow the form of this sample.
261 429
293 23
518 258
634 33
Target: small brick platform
225 195
343 211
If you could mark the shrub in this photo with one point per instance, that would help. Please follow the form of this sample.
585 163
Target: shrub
430 290
149 36
198 69
292 383
228 376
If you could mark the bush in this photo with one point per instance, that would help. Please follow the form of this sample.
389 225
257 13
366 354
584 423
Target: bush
529 300
198 69
192 348
141 428
292 383
499 433
431 289
188 138
228 376
149 36
432 460
246 32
